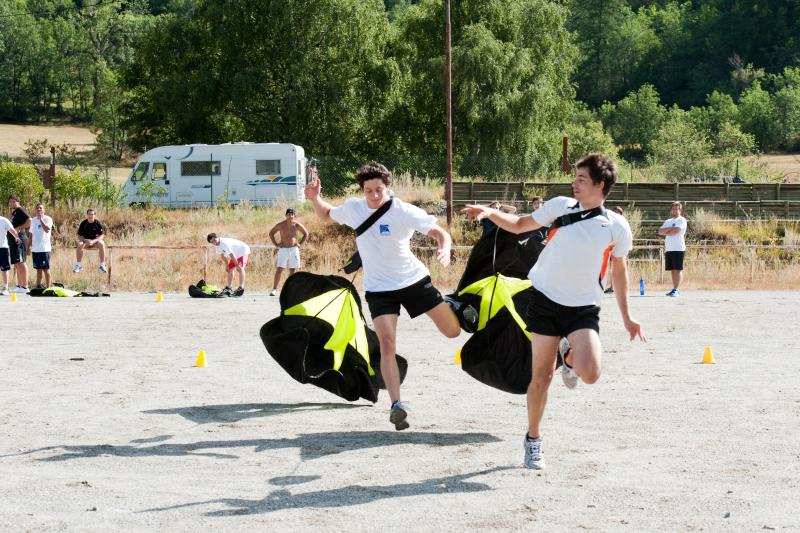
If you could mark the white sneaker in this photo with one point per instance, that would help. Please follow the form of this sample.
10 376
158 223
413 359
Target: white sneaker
534 458
568 375
19 289
77 268
4 291
273 292
103 268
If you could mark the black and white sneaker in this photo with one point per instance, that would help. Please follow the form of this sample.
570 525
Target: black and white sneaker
534 458
467 315
568 375
226 291
398 415
238 292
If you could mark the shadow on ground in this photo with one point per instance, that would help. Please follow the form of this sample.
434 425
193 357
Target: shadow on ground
206 414
342 497
311 445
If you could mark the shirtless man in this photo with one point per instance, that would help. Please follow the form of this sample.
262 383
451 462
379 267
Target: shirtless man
288 246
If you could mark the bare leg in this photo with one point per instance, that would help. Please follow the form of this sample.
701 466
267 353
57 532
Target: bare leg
22 274
585 354
101 247
386 329
46 277
445 319
241 277
38 277
79 251
230 277
677 277
5 278
544 362
278 272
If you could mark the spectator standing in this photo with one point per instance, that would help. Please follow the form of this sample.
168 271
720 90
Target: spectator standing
18 249
674 232
41 247
90 237
288 246
6 227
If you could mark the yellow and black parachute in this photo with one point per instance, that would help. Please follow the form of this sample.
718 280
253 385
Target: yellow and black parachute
321 337
495 282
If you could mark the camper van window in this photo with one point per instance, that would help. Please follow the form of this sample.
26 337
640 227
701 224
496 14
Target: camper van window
159 171
267 167
200 168
141 171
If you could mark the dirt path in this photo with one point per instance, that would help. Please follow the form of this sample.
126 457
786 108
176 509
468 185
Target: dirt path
107 426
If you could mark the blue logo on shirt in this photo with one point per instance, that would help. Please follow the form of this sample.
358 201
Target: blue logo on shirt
384 229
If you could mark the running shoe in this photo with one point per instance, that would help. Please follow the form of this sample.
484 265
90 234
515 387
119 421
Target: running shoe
239 291
226 291
568 375
19 289
609 290
103 268
398 415
673 293
4 291
77 268
534 458
466 314
273 292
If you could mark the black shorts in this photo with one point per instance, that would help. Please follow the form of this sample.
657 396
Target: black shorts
18 252
673 260
41 260
418 298
546 317
5 262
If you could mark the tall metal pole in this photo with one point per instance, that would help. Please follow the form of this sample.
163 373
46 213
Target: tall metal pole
448 186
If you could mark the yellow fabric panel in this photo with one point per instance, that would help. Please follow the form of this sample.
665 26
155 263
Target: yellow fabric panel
497 292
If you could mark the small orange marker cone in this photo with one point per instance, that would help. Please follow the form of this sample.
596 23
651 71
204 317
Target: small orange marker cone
201 360
13 296
708 356
159 297
458 357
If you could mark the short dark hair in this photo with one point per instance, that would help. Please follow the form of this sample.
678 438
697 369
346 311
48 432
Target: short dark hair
211 236
602 169
619 210
14 197
90 209
290 211
371 171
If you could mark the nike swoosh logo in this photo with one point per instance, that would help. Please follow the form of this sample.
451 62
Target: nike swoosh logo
584 215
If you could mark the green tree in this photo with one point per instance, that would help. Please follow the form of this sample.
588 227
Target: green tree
635 120
757 115
22 180
680 148
787 107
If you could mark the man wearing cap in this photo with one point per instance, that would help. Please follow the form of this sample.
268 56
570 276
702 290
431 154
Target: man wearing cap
288 246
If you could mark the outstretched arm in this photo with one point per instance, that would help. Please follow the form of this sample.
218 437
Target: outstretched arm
313 192
619 275
444 242
507 221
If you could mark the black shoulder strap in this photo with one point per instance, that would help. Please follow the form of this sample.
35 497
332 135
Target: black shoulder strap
571 218
373 217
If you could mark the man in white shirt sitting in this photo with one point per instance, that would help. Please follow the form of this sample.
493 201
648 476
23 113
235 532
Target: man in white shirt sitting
674 232
236 256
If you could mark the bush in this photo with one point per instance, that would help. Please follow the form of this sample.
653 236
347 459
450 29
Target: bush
22 180
73 188
681 149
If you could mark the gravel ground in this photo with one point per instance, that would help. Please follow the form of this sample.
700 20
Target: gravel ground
106 425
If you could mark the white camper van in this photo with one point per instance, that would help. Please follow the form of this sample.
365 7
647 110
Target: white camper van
205 174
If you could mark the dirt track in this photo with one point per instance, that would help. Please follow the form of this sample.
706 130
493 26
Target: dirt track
107 426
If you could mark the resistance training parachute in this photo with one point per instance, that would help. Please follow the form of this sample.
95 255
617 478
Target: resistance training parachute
495 283
321 338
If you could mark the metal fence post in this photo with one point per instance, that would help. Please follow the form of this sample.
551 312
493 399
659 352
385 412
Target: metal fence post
752 263
110 265
205 262
661 265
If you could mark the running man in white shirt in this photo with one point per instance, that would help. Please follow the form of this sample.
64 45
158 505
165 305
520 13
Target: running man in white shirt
236 256
393 276
7 232
674 232
567 289
41 231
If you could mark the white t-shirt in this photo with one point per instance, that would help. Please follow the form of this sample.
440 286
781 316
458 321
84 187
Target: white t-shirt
568 269
5 226
228 246
385 248
677 242
41 238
